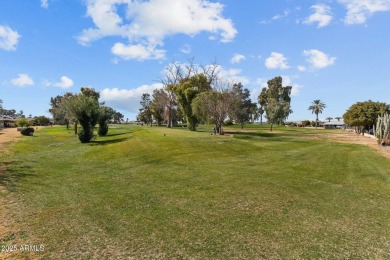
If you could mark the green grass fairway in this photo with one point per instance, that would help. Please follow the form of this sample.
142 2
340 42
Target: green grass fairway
158 193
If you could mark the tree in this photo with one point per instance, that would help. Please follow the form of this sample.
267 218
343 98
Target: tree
118 117
329 118
317 106
85 109
262 100
23 122
186 91
158 105
182 83
105 115
363 115
41 120
145 113
338 118
213 106
90 92
243 107
275 99
60 113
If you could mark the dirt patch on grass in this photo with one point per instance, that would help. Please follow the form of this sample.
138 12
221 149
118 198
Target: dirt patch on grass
10 233
342 136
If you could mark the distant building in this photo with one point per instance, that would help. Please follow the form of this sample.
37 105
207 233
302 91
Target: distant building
335 124
7 121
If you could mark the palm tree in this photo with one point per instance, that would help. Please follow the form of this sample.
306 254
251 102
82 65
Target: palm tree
317 106
338 118
329 118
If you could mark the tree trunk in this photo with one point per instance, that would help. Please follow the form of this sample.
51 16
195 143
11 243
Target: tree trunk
75 128
316 120
271 128
169 125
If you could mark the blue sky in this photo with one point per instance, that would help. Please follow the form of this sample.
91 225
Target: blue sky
334 50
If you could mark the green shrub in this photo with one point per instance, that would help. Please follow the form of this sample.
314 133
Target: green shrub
305 123
293 124
23 122
227 123
85 136
27 131
103 129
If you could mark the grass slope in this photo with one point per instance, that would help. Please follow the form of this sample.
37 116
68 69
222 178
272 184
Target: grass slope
168 193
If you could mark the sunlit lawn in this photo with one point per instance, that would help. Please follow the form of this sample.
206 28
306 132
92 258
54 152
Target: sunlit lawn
169 193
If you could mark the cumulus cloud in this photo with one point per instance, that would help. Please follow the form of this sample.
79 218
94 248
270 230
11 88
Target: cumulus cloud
276 61
301 68
8 38
322 16
137 52
147 23
22 80
45 4
318 59
127 99
64 83
358 11
237 58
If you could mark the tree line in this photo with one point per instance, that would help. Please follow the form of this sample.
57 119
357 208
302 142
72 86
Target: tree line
83 109
199 94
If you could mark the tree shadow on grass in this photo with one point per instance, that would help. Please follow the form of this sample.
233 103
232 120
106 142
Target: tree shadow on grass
108 135
10 176
257 134
107 142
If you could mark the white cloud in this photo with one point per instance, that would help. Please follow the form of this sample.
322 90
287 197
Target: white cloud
8 38
147 23
358 11
45 4
64 83
237 58
301 68
276 61
137 52
322 16
318 59
22 80
127 99
277 17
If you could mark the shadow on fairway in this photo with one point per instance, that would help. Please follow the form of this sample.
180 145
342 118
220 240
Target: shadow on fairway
9 177
108 135
257 134
106 142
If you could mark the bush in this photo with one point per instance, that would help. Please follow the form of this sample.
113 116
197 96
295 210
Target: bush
293 124
103 129
23 122
85 136
305 123
228 122
27 131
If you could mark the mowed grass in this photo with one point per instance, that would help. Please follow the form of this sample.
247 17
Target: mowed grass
157 193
